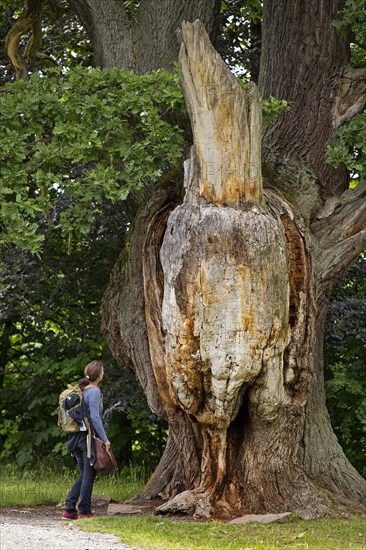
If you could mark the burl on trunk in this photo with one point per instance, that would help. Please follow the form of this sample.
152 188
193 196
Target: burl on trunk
230 321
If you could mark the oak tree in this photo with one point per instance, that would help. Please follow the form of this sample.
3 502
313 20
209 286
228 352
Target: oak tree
221 304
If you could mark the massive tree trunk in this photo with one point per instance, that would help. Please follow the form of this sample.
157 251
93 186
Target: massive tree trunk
219 301
143 39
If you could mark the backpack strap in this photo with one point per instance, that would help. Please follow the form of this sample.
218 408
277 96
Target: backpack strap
88 437
89 426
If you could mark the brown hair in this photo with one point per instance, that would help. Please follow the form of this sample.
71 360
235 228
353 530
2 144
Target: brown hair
91 373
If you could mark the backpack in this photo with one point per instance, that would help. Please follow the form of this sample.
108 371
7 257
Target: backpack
70 409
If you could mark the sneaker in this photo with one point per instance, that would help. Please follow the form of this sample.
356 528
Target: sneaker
83 516
67 515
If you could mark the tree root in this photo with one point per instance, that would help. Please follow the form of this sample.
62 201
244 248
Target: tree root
192 503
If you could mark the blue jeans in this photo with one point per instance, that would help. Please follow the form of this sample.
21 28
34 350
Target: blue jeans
83 487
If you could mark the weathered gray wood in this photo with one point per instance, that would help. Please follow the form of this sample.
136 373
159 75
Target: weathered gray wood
223 262
351 98
226 124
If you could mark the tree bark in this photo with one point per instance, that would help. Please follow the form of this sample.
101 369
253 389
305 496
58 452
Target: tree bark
139 40
124 303
225 334
311 59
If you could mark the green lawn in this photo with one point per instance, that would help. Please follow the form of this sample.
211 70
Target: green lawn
152 533
47 485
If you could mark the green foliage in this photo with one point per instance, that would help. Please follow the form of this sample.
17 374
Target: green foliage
7 5
272 108
138 436
240 38
346 392
131 6
345 364
89 136
150 434
350 146
353 17
49 329
62 40
29 399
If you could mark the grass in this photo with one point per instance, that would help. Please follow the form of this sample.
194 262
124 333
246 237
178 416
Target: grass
152 533
48 485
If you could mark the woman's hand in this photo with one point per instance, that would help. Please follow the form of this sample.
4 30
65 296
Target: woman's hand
107 444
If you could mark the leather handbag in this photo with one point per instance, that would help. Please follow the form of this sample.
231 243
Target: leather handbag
104 458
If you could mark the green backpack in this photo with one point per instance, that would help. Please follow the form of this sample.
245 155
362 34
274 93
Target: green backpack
70 409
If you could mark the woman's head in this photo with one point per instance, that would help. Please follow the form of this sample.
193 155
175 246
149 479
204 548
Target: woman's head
93 372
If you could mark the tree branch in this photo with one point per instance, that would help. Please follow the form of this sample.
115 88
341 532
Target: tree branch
351 98
336 260
22 25
34 42
340 229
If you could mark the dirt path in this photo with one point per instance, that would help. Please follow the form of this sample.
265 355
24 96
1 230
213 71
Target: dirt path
41 528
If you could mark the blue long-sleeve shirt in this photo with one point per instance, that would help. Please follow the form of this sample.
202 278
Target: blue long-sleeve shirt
93 399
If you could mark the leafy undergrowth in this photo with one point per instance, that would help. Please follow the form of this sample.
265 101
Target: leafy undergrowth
153 533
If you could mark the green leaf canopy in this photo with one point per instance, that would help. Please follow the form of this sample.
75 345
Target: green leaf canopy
87 136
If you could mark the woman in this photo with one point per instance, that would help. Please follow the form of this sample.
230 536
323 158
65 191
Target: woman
82 489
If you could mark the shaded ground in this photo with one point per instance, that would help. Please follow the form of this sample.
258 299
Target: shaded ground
101 506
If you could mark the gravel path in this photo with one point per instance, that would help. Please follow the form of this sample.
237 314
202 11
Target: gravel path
26 531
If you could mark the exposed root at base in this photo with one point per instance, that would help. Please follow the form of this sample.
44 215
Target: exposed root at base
193 504
202 505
